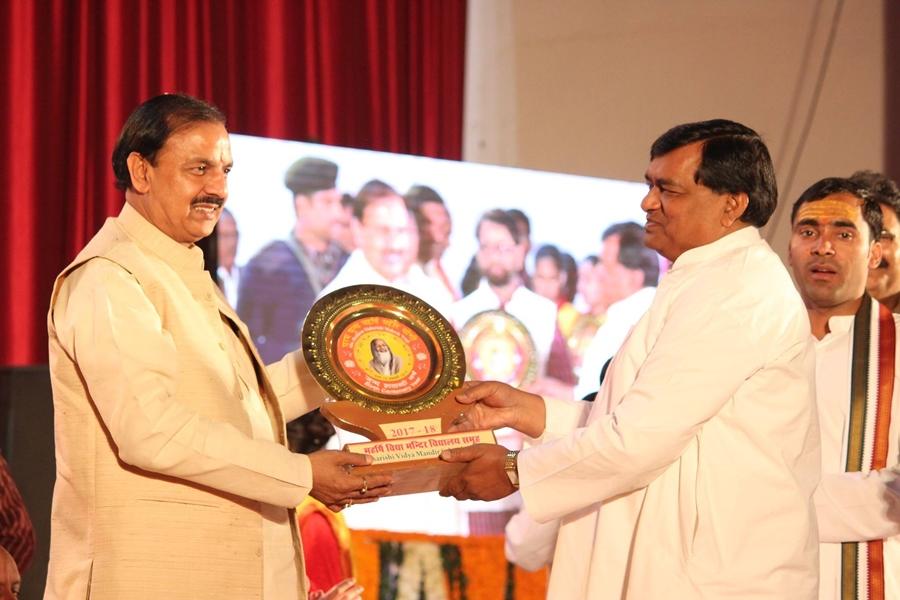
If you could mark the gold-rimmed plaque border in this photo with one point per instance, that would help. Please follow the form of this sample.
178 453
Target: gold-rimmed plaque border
332 313
487 318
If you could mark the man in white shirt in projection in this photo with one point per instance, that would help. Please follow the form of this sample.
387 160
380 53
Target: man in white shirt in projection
387 240
692 474
628 271
173 478
833 249
501 258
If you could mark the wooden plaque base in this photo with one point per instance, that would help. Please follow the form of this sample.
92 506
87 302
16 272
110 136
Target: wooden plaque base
407 446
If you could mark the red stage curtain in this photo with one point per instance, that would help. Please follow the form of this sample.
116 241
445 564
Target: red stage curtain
378 74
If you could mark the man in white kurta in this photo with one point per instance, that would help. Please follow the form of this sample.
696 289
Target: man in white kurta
692 475
833 250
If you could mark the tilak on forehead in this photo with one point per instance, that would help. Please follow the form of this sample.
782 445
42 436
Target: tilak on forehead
830 209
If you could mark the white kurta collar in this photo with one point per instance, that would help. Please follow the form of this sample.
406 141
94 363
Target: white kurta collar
701 254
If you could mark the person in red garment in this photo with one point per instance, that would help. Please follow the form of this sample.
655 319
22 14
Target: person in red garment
325 535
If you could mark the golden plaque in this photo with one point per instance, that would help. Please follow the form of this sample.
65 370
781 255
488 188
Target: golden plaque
498 347
393 365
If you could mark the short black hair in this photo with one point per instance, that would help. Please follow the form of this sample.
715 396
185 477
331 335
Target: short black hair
570 288
829 186
521 220
633 254
371 191
626 228
880 187
418 195
154 122
552 252
501 217
734 160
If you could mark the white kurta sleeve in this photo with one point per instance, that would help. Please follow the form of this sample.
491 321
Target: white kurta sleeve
696 365
857 507
105 322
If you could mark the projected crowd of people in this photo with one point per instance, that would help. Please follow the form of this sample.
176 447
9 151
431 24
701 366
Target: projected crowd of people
379 235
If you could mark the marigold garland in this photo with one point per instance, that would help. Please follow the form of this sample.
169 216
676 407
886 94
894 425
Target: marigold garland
482 573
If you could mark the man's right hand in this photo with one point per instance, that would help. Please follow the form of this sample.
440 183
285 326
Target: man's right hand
493 405
336 485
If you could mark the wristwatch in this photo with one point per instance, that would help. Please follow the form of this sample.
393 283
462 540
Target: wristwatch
511 465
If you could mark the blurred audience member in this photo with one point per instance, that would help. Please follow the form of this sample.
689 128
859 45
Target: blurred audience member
549 281
228 274
628 273
500 257
523 224
326 537
435 227
549 278
10 579
471 278
16 531
387 240
568 313
884 281
341 231
280 283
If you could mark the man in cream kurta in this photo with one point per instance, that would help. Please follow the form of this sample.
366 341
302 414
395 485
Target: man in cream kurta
833 249
692 475
173 478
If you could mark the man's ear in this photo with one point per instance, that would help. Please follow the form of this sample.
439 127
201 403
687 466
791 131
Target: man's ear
139 169
875 254
735 207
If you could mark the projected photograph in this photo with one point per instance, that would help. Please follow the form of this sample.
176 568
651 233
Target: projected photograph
306 219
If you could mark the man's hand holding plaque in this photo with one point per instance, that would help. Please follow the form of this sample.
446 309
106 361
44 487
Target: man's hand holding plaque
488 470
393 365
336 485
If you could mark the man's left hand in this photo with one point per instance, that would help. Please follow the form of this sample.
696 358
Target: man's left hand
483 478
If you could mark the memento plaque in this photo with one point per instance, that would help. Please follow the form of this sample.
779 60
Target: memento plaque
498 347
393 365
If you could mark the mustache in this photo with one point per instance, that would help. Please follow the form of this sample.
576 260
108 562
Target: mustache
215 200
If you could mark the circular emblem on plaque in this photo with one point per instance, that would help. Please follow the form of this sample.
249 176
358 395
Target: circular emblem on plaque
498 347
382 348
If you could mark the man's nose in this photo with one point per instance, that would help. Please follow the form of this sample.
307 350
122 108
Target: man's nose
823 247
217 184
650 201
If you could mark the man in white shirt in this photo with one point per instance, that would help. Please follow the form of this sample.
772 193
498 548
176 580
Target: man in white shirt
692 474
628 271
833 250
500 258
435 227
228 272
387 240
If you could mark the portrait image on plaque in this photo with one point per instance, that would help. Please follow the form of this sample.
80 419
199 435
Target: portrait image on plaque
392 365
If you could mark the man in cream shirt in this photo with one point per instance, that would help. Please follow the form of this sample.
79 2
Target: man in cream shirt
833 250
692 474
173 478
